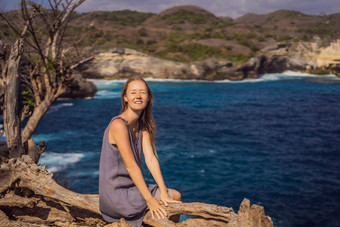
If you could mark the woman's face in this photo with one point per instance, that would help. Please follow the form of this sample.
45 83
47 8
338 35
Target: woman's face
137 95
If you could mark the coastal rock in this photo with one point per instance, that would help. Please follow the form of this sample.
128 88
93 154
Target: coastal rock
79 88
302 56
123 62
329 57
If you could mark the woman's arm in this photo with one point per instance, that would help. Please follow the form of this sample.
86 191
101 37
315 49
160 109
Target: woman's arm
153 165
119 132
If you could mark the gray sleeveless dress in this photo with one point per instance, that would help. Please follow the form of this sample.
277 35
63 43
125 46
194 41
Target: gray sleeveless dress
118 195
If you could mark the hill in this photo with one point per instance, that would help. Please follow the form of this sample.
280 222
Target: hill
190 33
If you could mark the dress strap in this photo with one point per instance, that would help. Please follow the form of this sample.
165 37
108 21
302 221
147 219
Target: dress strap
119 117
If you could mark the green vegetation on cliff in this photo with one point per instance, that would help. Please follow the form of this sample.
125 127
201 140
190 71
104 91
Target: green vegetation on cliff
121 17
182 16
190 33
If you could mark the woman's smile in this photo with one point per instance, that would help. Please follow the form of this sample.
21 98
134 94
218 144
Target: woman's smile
137 95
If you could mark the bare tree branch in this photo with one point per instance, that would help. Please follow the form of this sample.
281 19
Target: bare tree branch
51 73
15 30
36 83
82 61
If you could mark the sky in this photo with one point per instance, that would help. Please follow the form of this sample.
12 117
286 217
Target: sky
227 8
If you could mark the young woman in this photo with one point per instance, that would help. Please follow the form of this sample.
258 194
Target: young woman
123 192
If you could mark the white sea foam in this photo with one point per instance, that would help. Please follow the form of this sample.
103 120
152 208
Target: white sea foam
109 84
174 80
58 161
107 94
287 75
302 74
239 81
58 107
263 78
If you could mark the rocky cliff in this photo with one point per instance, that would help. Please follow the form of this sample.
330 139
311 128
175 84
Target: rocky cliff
79 88
329 56
302 56
122 62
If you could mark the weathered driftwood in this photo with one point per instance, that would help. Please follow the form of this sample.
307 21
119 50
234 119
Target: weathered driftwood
213 215
30 197
33 150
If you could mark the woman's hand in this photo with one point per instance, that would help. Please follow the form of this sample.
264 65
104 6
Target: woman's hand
156 208
166 199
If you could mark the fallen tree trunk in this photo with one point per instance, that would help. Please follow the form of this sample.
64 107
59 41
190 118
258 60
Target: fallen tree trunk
30 197
213 215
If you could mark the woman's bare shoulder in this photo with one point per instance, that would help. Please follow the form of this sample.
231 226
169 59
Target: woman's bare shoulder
145 133
117 125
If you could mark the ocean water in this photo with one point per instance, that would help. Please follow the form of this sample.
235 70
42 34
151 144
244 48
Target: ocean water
274 140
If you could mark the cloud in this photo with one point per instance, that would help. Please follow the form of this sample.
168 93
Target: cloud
231 8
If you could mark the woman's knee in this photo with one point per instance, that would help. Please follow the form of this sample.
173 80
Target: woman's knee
176 195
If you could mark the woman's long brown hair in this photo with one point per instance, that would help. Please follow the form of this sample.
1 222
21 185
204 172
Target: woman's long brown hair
146 116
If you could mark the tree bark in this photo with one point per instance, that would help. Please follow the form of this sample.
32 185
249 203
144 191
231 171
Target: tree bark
12 121
35 118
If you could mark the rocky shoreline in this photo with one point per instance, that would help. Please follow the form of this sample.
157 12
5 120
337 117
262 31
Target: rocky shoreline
79 88
120 63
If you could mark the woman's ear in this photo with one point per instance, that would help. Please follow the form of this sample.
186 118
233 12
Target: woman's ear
125 98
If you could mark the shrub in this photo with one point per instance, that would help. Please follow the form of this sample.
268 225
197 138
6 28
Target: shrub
198 52
150 42
283 38
304 38
142 32
101 41
218 35
260 38
140 42
268 35
123 17
176 37
228 47
223 24
198 36
243 39
238 59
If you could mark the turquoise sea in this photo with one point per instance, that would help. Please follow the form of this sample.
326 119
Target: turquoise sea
274 140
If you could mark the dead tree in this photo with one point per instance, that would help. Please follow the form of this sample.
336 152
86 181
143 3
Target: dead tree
9 81
12 123
49 70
